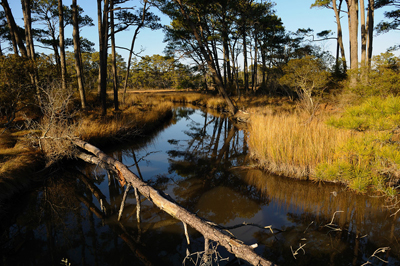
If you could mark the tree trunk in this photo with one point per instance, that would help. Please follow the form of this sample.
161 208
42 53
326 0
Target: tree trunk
103 43
208 56
264 66
16 38
232 51
133 45
353 33
353 38
26 9
166 204
62 47
56 53
370 30
216 61
339 32
245 70
100 30
255 61
77 54
363 34
114 59
227 66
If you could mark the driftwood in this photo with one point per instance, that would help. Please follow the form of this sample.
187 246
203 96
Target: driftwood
166 203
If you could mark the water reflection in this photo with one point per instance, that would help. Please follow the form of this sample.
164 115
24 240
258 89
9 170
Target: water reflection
346 237
201 162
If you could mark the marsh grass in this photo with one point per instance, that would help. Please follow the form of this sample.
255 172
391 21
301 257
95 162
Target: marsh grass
17 162
355 148
162 97
17 157
129 122
276 104
289 145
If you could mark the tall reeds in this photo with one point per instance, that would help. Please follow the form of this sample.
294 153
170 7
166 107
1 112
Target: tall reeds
293 146
289 145
129 122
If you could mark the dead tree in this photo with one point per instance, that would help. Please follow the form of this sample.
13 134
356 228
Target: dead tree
164 202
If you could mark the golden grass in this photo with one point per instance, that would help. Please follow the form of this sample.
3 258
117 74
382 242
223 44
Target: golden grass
155 98
216 103
289 144
275 104
129 122
16 155
16 160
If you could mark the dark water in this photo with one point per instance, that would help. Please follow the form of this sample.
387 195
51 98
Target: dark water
201 161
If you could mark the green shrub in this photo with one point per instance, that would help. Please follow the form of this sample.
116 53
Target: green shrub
375 113
307 77
382 80
16 89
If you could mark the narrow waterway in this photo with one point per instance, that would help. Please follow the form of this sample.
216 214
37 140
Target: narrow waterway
201 161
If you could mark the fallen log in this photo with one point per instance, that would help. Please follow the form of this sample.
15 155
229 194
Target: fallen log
166 203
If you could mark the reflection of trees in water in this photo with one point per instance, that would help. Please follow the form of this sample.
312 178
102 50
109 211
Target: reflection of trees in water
324 246
56 225
365 224
42 233
207 186
66 218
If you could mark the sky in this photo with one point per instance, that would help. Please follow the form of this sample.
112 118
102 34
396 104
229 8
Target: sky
295 14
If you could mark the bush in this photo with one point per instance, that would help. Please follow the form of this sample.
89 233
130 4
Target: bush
375 113
371 158
57 127
382 80
307 76
16 89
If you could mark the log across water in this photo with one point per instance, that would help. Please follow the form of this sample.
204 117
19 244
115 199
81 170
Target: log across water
167 204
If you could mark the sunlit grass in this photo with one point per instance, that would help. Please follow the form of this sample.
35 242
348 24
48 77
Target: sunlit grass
291 145
162 97
129 122
15 155
216 103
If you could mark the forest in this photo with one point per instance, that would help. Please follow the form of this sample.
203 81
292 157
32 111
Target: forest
308 114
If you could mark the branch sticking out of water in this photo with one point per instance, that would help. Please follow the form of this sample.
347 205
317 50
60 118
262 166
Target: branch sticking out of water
295 253
379 250
210 256
331 225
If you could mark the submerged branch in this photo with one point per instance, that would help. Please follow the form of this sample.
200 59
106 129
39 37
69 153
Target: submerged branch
167 204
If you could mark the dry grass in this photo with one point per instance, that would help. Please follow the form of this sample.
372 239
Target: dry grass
129 122
216 103
162 97
17 162
17 156
292 145
247 103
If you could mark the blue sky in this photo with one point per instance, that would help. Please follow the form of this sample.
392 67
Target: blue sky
294 13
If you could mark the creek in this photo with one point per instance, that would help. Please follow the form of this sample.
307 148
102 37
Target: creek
201 160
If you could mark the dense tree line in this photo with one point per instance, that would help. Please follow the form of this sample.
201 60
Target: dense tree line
241 45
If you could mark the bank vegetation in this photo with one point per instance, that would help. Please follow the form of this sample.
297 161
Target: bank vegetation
351 137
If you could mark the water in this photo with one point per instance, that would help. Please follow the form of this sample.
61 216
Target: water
201 161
